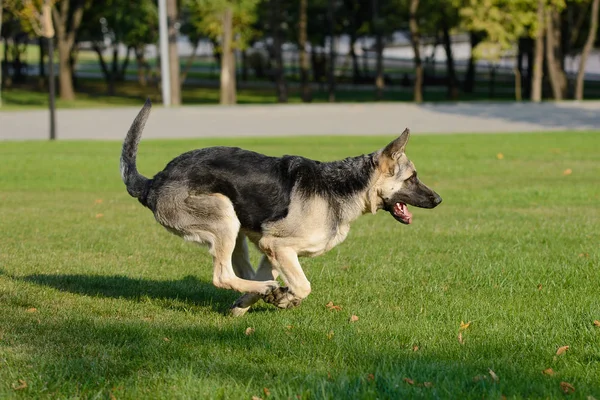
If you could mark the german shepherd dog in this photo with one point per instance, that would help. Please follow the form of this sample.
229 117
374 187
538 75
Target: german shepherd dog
287 206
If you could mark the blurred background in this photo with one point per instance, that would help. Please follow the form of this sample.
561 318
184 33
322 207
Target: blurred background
266 51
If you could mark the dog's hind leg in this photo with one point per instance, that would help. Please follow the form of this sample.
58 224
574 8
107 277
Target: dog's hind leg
241 259
264 272
217 224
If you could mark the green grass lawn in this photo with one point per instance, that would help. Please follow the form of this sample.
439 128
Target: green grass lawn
98 301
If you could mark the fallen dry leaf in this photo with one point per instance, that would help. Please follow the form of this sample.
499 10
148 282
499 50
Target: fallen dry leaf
353 318
479 378
548 371
427 384
332 306
370 377
166 339
31 310
460 338
493 375
256 398
567 171
329 335
99 215
567 387
464 326
584 255
345 268
249 331
500 156
409 381
596 323
289 327
266 391
562 350
111 396
415 348
590 398
98 201
540 286
22 385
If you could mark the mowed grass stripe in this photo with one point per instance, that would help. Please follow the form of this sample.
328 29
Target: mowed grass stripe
96 299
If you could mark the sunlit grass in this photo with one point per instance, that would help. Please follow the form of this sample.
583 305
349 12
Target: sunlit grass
96 299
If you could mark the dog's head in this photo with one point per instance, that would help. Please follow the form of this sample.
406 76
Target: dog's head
397 184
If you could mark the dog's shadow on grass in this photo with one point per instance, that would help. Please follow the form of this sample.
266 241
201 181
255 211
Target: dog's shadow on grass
182 293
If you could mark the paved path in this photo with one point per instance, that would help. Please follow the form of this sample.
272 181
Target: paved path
315 119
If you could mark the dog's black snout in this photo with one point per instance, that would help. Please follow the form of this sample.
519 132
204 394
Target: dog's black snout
437 199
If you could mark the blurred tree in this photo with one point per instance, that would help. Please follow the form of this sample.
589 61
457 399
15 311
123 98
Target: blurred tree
331 25
174 66
1 59
67 15
554 48
304 62
230 24
502 23
536 80
589 44
277 22
26 19
354 17
116 23
378 30
415 40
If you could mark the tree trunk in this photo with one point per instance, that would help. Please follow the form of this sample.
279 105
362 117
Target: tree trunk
123 70
1 5
415 40
379 78
189 63
65 78
65 35
518 84
141 66
228 93
114 67
469 85
173 54
245 65
554 57
365 58
536 86
304 61
451 73
355 66
103 66
589 44
331 74
280 84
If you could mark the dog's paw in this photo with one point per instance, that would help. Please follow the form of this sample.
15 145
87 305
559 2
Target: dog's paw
267 287
282 297
242 305
236 311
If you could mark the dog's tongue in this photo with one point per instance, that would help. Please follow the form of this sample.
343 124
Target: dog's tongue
401 211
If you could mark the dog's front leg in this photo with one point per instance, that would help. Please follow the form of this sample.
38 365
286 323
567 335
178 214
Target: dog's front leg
285 260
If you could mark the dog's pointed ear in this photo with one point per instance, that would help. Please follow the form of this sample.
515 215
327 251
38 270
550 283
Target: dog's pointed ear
396 148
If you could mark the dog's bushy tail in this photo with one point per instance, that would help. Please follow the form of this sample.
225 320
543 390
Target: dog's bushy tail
134 181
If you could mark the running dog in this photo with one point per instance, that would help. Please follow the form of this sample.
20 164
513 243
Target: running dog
287 206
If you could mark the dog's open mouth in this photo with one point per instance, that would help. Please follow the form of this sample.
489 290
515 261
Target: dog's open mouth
401 213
